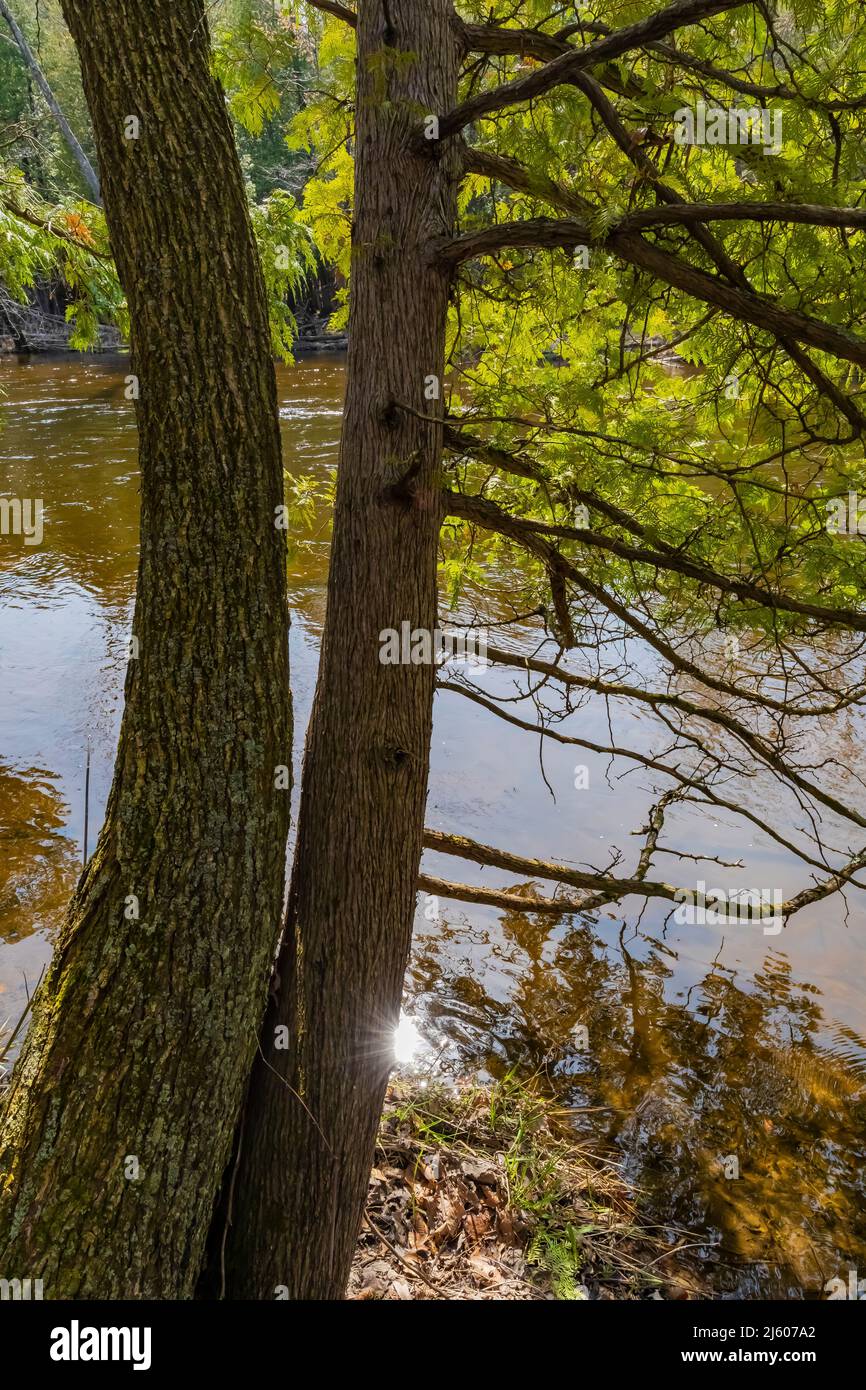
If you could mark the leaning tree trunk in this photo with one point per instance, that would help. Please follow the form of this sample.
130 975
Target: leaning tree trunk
309 1128
123 1104
87 171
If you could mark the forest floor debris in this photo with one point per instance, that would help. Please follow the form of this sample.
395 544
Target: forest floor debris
483 1193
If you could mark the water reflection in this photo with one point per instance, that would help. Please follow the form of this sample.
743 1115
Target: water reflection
40 863
687 1047
734 1107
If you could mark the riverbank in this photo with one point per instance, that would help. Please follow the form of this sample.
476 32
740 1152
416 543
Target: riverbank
486 1192
40 325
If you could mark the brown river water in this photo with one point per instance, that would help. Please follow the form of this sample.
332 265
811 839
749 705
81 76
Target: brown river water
704 1043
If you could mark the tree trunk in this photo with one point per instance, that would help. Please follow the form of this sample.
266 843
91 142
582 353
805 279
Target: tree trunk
309 1129
35 71
124 1101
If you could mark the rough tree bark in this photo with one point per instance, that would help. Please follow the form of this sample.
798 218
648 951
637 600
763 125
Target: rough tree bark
87 171
308 1133
144 1030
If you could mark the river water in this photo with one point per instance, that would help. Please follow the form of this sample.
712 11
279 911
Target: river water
726 1068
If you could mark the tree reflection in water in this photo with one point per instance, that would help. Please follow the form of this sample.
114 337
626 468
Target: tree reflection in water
735 1067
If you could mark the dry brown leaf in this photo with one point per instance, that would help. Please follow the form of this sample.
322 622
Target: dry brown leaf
505 1228
483 1270
477 1225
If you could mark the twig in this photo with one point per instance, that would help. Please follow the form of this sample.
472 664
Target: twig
86 807
404 1262
27 1007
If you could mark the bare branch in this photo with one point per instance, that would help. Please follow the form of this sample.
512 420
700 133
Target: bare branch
497 897
611 888
552 559
695 783
540 868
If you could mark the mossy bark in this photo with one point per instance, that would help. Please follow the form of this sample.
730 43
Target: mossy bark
310 1124
144 1030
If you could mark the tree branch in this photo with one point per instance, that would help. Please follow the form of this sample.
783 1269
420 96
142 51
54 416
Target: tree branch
612 888
561 69
685 214
45 225
518 43
515 175
752 89
493 897
691 783
502 522
493 517
538 868
749 307
338 11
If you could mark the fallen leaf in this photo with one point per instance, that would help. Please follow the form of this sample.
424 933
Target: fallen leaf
477 1225
482 1269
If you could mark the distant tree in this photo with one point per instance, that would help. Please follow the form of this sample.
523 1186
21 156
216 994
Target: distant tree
37 77
266 64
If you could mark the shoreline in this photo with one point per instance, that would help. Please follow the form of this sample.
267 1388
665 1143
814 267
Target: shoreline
486 1192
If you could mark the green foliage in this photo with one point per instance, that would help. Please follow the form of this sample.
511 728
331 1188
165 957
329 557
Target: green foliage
288 257
46 236
566 360
264 59
324 129
310 504
68 242
249 59
32 140
560 1256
